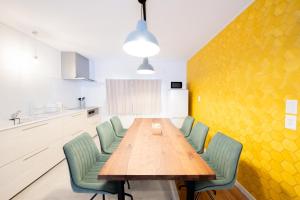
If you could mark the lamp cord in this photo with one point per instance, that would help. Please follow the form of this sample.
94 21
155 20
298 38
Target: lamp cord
143 11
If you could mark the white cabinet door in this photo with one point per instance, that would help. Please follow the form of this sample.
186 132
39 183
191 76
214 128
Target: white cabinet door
9 183
92 123
54 131
74 124
9 151
20 173
29 151
16 143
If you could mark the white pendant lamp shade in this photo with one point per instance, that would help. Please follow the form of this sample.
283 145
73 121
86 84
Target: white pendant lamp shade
141 43
145 67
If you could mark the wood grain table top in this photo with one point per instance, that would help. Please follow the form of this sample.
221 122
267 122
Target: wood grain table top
154 149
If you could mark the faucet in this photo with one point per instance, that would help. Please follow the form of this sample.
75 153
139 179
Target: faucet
15 116
81 102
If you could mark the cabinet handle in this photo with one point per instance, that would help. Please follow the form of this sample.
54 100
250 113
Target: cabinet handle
9 162
35 154
76 115
77 132
26 129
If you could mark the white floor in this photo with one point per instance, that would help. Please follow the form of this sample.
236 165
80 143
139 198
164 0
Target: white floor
55 185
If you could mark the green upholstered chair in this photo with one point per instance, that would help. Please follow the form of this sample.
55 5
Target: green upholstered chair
197 137
108 139
187 126
118 127
85 161
222 155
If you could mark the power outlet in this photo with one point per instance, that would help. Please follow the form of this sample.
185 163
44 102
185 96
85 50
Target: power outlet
291 122
291 106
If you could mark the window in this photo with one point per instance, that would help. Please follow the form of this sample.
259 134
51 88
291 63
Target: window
128 97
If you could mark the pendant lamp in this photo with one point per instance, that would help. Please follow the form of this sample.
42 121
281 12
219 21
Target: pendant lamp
145 68
141 42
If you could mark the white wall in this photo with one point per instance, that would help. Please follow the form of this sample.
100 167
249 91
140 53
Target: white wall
23 82
166 70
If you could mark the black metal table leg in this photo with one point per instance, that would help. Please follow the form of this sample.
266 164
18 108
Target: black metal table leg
121 193
190 194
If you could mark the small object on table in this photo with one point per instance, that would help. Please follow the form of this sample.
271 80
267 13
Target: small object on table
156 129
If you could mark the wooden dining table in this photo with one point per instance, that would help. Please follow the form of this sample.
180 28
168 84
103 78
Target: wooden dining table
154 149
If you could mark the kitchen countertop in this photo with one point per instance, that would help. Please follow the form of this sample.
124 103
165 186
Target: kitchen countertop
5 125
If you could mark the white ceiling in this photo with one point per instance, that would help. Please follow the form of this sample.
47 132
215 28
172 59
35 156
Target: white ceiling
97 28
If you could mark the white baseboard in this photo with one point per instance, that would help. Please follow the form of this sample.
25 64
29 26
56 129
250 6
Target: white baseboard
244 191
174 193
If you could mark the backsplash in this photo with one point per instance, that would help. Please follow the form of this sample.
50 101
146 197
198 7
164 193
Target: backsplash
25 83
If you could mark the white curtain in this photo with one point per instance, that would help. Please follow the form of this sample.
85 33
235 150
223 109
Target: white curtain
139 97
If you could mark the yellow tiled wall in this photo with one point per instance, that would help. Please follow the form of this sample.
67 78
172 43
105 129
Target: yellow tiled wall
244 76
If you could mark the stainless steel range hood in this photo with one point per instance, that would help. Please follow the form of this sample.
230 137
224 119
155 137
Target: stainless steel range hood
75 66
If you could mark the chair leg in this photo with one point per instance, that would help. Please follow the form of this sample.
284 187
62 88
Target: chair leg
128 185
129 195
197 195
93 197
210 195
103 196
181 186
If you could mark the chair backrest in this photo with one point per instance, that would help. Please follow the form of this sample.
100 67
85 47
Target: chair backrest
224 152
187 125
116 123
198 136
106 135
81 154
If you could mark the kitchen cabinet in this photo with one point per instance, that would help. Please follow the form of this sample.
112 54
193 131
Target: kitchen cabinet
75 123
26 139
21 172
29 151
92 122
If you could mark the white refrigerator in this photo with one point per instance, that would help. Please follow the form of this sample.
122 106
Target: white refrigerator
178 105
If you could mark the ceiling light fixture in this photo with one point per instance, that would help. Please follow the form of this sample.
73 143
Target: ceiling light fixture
141 42
35 56
145 68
